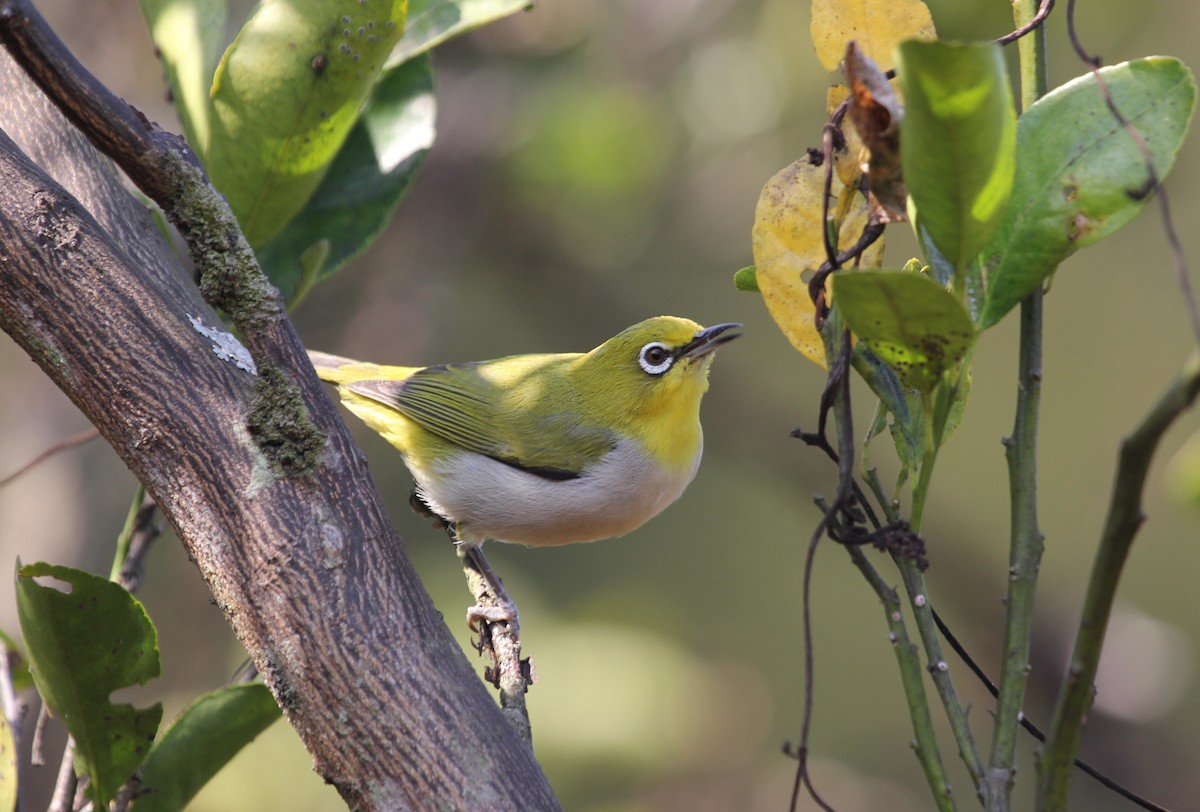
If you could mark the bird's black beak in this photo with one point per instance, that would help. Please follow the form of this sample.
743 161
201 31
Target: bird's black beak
709 339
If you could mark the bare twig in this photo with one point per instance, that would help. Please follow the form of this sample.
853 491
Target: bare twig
829 230
496 619
1153 183
500 640
871 232
63 799
803 779
37 755
74 441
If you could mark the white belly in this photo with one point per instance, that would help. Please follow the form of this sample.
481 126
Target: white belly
490 500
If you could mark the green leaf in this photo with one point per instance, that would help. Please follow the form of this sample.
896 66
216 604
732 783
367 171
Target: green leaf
907 424
970 278
83 645
957 142
373 171
189 35
432 22
913 324
746 279
1079 183
286 95
205 737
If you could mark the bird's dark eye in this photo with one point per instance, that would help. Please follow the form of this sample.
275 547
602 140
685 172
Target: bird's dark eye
656 358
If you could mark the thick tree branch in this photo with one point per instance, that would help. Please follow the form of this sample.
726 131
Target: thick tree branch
162 165
294 544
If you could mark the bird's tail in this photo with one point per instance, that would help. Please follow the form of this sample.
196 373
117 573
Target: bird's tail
339 370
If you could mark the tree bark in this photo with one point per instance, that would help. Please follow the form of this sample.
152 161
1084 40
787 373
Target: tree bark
257 474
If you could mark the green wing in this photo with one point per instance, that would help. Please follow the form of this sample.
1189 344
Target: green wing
515 411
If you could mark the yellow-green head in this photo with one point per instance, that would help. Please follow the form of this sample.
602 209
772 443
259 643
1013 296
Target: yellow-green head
648 381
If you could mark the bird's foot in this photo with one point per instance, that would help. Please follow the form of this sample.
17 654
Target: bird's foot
493 605
501 612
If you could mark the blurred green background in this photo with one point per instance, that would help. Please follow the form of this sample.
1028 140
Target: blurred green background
598 162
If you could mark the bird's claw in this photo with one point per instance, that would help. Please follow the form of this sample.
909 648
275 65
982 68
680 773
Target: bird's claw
505 612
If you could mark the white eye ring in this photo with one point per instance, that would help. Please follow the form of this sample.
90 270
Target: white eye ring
656 358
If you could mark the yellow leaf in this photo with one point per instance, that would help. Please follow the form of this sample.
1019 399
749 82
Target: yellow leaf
788 247
877 25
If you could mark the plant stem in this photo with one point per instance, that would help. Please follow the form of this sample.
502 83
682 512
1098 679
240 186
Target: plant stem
1124 518
1026 543
922 608
1031 53
928 458
910 676
906 653
1025 555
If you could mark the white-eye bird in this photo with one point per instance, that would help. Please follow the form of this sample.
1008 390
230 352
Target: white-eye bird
546 449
